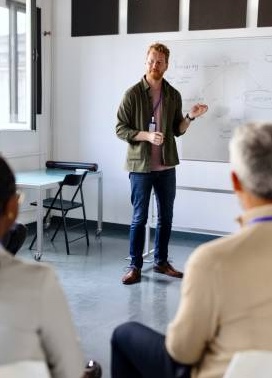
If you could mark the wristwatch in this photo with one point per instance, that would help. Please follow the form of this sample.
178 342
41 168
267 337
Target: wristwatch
191 119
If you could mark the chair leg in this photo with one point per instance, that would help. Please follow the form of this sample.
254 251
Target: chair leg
62 220
66 236
58 226
86 230
85 221
44 221
33 241
57 229
87 234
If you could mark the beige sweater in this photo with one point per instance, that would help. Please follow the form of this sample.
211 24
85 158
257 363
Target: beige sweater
35 321
226 299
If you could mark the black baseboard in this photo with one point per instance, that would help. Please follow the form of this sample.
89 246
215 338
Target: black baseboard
123 229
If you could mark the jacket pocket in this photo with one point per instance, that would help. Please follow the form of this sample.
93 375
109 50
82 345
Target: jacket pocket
135 151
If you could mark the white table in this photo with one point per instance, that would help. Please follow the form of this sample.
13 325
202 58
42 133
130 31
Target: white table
49 178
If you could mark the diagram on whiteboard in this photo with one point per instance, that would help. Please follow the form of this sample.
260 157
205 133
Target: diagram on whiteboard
233 77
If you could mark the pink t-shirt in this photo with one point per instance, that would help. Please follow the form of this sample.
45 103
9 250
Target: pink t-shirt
156 151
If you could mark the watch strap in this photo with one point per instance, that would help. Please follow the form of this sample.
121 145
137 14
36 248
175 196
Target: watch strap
191 119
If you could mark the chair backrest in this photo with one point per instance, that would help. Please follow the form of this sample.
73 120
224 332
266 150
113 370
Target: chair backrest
73 180
250 364
25 369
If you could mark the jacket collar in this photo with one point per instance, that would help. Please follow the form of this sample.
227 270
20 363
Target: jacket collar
146 86
255 212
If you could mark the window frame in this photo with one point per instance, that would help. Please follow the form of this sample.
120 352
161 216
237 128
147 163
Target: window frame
29 8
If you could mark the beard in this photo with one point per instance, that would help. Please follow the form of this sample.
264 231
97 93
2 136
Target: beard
156 75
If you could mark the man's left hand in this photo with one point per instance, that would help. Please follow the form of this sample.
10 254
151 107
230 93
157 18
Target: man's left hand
197 110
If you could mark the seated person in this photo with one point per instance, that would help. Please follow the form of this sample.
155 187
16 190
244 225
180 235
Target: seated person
35 320
14 238
226 296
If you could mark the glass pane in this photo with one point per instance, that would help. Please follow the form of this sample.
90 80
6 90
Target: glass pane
21 59
4 66
15 65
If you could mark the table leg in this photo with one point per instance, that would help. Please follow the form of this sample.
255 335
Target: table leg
38 252
99 206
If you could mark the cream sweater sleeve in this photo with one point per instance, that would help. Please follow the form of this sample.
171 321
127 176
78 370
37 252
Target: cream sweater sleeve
58 334
195 322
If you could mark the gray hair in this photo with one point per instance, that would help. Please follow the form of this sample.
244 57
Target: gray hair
251 157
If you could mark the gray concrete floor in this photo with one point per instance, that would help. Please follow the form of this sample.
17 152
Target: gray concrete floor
91 279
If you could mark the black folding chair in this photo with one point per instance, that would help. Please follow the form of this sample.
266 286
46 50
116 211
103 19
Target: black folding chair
57 203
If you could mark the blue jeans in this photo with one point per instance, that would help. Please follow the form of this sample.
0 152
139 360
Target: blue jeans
138 351
164 185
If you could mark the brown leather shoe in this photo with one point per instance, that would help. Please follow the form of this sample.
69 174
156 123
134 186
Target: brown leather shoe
132 276
93 370
167 269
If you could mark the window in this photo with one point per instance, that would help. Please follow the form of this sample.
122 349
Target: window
17 65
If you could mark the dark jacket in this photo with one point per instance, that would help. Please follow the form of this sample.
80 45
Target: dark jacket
134 115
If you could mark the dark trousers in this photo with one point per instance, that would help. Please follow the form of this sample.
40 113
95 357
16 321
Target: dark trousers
139 352
14 238
164 185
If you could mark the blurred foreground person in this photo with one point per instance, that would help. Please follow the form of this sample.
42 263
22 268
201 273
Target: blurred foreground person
226 297
36 324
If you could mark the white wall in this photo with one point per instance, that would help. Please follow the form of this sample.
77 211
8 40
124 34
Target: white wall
90 77
30 149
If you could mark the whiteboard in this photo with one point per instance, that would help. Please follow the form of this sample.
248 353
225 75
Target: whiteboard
233 77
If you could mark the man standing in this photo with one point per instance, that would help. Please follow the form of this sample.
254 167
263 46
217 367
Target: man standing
229 309
149 118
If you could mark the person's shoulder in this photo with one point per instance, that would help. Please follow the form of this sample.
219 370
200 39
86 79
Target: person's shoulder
139 84
135 88
18 266
169 88
216 251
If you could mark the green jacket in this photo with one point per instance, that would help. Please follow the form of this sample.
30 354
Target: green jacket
134 115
